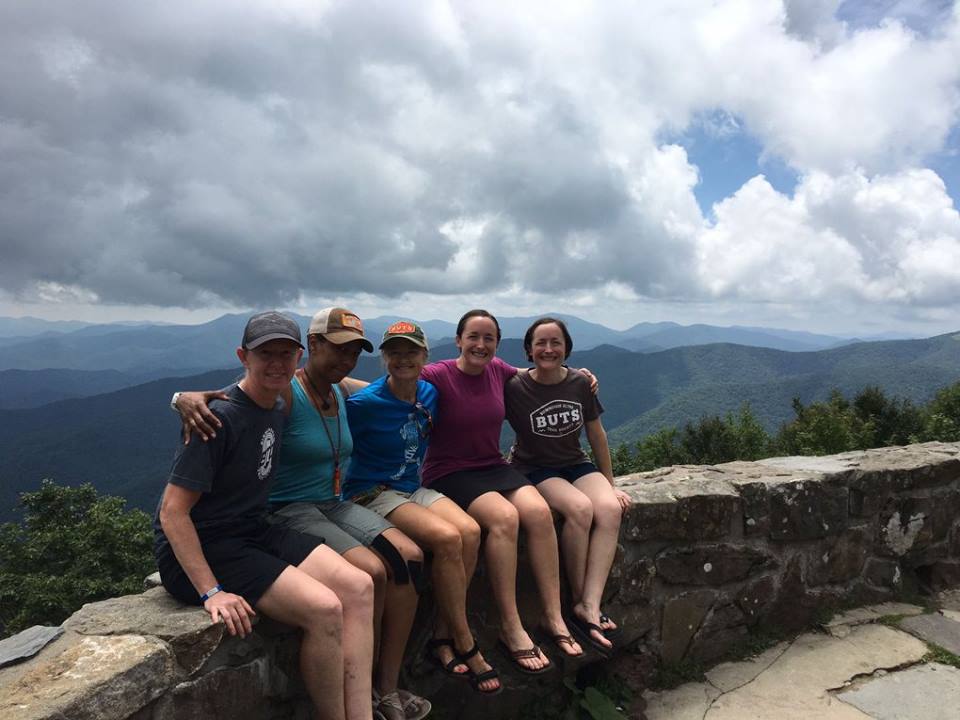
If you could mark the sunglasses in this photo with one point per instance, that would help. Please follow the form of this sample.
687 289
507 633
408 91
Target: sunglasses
423 419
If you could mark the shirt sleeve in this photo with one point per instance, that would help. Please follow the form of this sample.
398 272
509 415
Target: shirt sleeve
194 465
430 372
505 369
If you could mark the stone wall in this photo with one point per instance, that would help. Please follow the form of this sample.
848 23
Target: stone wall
707 555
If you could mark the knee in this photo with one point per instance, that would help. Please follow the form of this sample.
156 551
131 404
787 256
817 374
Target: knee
324 609
608 513
371 566
504 521
358 587
447 543
537 517
580 514
411 552
470 536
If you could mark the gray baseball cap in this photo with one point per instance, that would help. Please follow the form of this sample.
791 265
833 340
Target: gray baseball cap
271 325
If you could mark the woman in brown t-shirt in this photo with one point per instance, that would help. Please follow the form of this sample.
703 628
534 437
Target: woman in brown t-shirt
548 406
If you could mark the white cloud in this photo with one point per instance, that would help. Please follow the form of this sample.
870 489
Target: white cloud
181 155
890 239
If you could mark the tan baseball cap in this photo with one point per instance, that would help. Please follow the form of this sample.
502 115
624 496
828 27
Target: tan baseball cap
339 325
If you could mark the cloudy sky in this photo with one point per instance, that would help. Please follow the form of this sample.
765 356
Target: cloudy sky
789 163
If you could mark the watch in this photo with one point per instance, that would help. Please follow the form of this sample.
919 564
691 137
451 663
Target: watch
173 402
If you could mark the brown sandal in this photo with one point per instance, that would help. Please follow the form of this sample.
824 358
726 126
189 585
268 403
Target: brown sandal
532 652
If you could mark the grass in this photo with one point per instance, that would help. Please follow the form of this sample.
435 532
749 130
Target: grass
941 655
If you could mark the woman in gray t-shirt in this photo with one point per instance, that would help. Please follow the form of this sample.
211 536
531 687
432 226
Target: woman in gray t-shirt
548 407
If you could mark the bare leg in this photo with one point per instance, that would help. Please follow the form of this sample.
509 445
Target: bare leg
469 534
443 539
398 614
332 603
577 512
537 521
603 545
367 561
495 514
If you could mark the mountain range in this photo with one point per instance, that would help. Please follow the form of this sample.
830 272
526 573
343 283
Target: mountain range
122 441
90 359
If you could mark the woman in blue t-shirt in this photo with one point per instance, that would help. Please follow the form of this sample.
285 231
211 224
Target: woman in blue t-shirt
391 420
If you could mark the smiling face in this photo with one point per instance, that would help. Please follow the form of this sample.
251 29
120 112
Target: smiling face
548 348
403 359
477 343
332 362
270 366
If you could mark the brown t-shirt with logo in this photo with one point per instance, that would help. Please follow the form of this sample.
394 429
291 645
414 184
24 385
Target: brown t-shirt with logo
547 420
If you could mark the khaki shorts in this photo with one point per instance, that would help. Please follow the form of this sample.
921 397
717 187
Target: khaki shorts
389 500
342 525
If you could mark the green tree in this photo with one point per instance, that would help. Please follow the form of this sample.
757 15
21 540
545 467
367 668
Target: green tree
753 442
659 449
72 547
942 416
821 428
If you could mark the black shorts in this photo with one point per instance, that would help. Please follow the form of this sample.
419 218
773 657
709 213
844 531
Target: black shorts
465 486
245 565
571 473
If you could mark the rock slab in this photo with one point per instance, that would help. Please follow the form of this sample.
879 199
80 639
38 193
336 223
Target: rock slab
26 644
922 692
938 629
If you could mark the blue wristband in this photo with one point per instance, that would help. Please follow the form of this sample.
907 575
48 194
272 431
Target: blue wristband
210 593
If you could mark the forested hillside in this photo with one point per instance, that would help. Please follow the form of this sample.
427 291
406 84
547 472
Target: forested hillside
122 441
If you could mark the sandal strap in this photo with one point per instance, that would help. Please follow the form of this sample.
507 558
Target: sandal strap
490 674
531 653
435 643
464 656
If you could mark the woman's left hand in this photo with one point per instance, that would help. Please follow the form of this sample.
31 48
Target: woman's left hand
594 383
622 498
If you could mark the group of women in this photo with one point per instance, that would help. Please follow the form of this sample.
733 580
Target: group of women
411 464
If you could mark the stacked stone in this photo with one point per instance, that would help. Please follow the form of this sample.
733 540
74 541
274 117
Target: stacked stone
707 555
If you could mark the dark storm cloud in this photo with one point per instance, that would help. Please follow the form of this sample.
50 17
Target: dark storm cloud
174 154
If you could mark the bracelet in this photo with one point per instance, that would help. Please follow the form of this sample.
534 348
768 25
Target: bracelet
173 402
211 592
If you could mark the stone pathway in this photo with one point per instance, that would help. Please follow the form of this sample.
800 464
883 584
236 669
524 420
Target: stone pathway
857 669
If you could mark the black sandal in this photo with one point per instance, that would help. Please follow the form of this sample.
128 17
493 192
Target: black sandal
583 630
611 633
477 678
435 644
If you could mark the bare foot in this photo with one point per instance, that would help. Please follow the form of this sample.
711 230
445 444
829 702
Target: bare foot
565 642
519 641
444 654
478 666
592 616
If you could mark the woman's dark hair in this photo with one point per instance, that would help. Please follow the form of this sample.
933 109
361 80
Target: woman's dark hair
477 313
528 336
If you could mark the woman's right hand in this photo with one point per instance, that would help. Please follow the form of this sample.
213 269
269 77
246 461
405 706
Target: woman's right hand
195 415
233 610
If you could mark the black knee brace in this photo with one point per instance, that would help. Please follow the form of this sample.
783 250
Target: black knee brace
416 575
393 557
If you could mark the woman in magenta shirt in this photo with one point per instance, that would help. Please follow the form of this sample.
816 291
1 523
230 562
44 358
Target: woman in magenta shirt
464 463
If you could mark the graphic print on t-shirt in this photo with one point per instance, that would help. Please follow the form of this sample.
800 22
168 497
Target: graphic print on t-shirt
411 444
557 418
267 443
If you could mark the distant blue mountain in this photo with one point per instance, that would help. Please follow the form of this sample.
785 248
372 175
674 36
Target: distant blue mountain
123 441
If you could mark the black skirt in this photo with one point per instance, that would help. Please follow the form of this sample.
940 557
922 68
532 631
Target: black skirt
465 486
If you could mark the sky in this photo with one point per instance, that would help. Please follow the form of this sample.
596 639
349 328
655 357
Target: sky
783 163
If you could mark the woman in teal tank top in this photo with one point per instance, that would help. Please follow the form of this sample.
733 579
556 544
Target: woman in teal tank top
316 447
